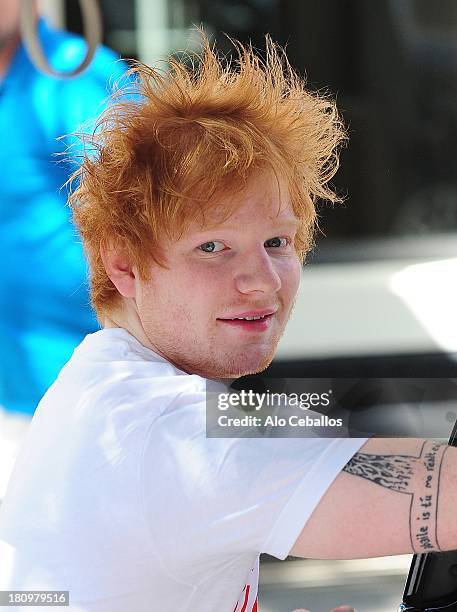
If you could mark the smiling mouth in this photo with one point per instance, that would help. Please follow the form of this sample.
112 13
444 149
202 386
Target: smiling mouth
259 323
247 318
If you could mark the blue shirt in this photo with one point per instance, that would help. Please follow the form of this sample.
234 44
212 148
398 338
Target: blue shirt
44 301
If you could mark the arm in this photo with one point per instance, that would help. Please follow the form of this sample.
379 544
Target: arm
394 496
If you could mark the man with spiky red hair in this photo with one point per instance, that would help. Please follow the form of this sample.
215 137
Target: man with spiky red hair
195 205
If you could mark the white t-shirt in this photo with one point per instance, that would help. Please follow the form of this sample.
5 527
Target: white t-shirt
118 496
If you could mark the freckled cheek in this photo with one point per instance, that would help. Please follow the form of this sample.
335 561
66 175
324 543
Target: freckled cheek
203 292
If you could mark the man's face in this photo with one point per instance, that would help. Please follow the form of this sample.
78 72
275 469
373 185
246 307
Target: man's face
245 266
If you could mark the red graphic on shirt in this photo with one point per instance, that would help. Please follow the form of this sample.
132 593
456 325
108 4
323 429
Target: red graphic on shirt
249 593
244 608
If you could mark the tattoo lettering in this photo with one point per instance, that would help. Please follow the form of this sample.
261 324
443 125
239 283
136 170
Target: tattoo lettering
395 472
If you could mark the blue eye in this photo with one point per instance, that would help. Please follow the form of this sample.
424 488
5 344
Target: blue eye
208 247
279 241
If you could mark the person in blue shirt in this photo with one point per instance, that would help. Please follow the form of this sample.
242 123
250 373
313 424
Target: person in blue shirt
44 304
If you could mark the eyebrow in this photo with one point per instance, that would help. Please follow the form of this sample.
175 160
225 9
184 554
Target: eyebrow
293 223
285 223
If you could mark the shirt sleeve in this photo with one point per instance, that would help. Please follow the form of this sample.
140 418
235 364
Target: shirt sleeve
207 500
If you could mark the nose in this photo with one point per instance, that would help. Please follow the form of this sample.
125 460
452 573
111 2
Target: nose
256 271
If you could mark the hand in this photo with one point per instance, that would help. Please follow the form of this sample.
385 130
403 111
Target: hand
339 609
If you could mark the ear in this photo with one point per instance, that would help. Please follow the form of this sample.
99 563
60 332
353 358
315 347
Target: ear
119 269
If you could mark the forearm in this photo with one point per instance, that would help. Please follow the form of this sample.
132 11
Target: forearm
425 471
394 496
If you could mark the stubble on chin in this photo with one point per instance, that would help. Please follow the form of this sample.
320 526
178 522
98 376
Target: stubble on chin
228 365
266 361
238 364
242 363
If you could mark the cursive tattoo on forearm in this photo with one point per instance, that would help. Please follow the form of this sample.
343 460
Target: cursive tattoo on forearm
395 472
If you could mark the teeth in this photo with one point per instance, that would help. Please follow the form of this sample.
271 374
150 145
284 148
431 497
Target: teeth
247 318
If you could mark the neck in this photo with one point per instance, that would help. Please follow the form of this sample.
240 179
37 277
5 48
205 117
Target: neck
126 317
